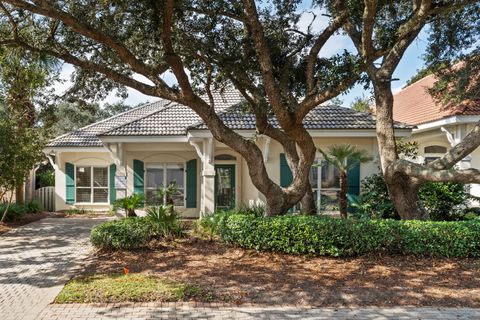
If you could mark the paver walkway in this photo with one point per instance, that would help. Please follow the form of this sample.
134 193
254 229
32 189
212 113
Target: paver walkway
37 259
35 262
152 311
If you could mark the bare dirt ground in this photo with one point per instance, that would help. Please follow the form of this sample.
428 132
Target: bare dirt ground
246 276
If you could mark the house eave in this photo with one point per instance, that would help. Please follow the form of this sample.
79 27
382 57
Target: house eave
445 122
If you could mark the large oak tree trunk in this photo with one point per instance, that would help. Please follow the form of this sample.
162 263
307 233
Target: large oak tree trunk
404 194
308 202
403 189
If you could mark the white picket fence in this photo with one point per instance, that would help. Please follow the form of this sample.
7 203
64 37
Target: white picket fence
46 196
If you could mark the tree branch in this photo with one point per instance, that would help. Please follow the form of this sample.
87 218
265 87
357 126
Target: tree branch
266 66
460 151
425 173
317 46
96 35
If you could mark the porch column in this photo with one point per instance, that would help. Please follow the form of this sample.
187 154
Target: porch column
205 151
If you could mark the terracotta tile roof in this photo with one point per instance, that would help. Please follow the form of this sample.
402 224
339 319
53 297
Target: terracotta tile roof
414 105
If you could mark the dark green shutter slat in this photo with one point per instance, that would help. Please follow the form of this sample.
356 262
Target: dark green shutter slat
192 183
353 177
113 191
70 183
138 177
286 176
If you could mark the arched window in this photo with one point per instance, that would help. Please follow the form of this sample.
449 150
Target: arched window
435 149
225 157
432 153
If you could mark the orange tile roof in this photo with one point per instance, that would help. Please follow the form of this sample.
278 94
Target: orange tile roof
414 105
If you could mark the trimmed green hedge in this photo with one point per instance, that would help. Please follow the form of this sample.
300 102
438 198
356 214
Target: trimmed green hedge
338 237
127 234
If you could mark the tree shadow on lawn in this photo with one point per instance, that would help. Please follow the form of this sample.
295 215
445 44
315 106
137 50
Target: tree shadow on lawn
247 276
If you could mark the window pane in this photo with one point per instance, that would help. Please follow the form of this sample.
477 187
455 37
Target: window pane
435 149
329 200
314 177
175 175
100 195
330 177
100 177
83 177
154 177
83 195
152 198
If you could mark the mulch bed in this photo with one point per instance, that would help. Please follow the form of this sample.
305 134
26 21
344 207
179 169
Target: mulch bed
246 276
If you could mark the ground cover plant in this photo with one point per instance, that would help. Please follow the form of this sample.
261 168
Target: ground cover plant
300 234
108 288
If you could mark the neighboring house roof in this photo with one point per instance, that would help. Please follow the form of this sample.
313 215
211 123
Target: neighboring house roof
166 118
321 117
414 105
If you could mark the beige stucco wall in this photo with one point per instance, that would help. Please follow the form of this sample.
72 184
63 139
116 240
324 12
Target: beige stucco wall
246 193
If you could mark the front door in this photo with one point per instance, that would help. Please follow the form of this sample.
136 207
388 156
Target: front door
224 186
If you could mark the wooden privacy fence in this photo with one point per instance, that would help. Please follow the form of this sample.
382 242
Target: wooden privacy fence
46 196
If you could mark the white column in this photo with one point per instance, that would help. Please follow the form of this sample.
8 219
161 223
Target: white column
205 150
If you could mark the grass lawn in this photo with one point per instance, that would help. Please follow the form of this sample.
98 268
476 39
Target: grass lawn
103 288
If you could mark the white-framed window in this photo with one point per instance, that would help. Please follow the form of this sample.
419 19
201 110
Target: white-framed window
91 184
163 174
325 181
433 152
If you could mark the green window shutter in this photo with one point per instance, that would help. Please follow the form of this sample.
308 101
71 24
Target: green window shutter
70 183
192 183
286 176
353 177
113 191
138 177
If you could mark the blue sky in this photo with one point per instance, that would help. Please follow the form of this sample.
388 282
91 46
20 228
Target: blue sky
409 65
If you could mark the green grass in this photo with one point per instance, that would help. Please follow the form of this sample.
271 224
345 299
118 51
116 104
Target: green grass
103 288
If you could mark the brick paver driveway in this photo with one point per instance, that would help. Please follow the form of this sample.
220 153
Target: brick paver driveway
184 311
35 262
37 259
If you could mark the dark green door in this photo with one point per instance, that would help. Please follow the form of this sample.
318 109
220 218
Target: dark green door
224 186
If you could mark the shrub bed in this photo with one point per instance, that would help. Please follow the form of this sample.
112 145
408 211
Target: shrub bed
338 237
136 232
16 211
126 234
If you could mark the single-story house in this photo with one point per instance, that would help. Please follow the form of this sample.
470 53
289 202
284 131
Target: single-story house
163 142
437 128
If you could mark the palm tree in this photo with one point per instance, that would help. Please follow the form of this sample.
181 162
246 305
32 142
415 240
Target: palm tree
344 157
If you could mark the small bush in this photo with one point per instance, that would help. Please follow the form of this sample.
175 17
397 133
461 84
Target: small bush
346 237
33 207
16 211
443 201
127 234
